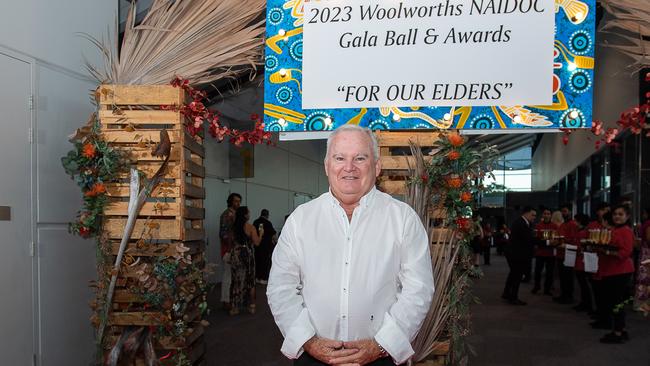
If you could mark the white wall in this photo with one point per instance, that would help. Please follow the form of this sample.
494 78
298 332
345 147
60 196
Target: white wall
43 33
615 90
281 172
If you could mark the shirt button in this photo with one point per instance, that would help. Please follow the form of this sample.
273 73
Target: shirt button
343 317
345 290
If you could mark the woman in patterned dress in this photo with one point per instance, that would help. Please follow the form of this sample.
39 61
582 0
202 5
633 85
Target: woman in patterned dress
242 261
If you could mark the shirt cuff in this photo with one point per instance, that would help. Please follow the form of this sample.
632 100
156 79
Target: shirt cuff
394 341
300 332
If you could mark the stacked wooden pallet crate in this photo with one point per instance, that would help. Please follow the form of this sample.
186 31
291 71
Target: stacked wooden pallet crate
395 155
170 225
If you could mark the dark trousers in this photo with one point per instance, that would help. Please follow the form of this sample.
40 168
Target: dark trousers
616 291
585 290
263 261
548 265
566 281
486 254
307 360
599 301
528 270
517 268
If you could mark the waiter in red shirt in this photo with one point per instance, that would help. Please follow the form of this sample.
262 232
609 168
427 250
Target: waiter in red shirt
544 258
568 230
579 269
616 270
602 221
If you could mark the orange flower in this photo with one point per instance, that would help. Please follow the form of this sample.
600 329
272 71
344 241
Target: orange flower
96 190
89 151
454 182
456 139
453 155
465 197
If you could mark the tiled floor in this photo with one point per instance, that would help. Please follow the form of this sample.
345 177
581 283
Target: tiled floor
541 333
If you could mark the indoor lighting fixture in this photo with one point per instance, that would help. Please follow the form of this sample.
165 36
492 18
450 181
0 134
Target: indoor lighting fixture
282 122
573 114
447 117
517 119
283 72
328 121
396 117
282 32
571 66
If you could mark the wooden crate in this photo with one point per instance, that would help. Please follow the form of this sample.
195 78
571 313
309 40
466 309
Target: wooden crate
131 119
439 355
395 157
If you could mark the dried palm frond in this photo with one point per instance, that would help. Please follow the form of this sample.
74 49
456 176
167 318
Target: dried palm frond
444 251
630 20
200 40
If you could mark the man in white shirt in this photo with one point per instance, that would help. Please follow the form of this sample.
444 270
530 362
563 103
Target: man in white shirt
351 280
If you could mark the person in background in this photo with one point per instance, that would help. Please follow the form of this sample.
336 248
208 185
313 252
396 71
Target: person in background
568 230
642 288
600 222
544 258
519 253
502 237
265 249
477 238
226 222
487 242
242 262
603 221
615 269
586 302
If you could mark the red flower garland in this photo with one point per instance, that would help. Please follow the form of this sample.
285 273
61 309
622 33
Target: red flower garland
197 114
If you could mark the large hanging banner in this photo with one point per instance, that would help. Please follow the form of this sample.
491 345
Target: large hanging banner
422 64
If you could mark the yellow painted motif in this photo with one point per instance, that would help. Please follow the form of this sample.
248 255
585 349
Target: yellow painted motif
560 105
357 119
297 10
278 78
386 111
581 62
576 11
272 42
287 114
528 118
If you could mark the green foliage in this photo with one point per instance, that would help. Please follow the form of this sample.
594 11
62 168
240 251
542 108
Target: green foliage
91 163
454 177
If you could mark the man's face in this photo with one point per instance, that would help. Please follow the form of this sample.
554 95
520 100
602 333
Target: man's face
350 166
566 214
601 212
531 215
546 216
236 202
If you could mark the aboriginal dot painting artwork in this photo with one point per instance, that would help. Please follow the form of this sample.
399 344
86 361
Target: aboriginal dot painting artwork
573 65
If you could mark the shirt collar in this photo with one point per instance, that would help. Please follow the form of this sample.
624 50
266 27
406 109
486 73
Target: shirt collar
365 201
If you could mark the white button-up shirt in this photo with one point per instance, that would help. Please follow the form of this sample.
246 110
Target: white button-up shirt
350 280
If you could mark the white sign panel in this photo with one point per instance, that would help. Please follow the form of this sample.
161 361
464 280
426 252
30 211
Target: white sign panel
377 53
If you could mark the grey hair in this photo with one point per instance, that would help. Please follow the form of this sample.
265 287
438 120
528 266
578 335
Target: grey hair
374 146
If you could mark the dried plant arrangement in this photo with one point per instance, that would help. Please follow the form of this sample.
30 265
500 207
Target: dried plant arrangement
203 40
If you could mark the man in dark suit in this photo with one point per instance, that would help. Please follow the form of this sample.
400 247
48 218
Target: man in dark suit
519 253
